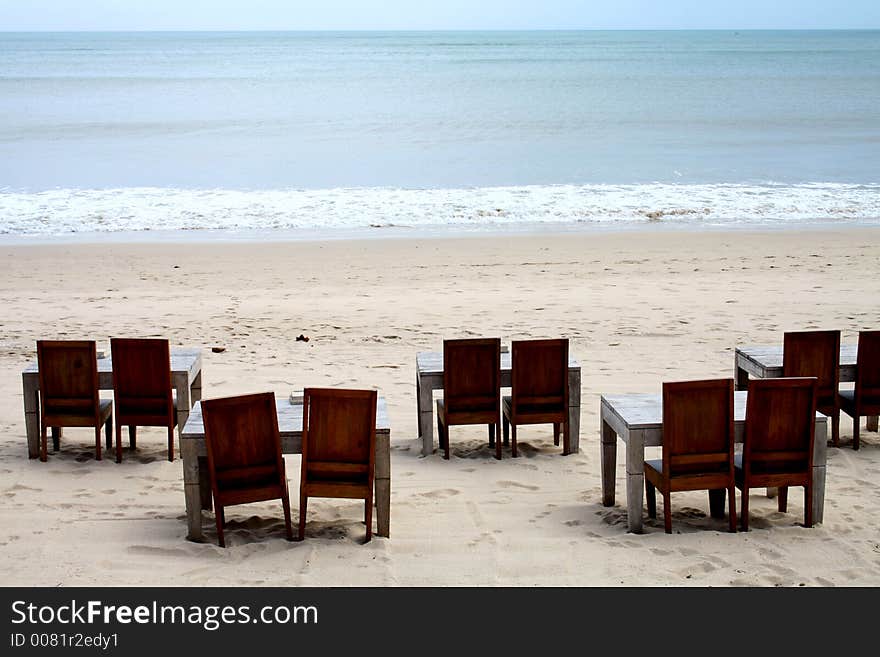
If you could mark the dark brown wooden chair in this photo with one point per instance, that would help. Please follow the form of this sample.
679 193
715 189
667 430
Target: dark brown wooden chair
244 454
817 353
697 445
142 389
778 441
69 391
539 389
471 388
864 398
338 448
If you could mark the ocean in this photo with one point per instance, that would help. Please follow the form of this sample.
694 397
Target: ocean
304 133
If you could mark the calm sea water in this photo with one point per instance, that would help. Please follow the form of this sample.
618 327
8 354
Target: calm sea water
274 131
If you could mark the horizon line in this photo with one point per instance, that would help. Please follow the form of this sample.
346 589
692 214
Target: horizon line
474 29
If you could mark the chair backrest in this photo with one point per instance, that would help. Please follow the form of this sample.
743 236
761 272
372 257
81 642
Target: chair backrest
68 377
142 374
241 434
539 375
867 390
813 353
780 425
697 426
472 374
339 435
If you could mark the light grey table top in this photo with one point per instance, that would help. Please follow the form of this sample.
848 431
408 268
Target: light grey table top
290 418
182 360
645 410
431 362
770 356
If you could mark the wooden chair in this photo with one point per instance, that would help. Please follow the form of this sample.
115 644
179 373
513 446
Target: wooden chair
244 454
697 445
142 388
778 441
471 388
338 448
539 389
864 398
69 391
817 353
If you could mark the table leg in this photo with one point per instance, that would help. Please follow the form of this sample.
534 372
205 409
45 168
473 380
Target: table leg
574 412
31 394
872 423
740 378
191 490
196 389
418 403
635 480
818 494
820 456
382 485
717 498
426 416
205 485
181 385
609 461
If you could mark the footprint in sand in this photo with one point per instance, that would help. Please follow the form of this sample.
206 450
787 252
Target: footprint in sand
516 484
441 493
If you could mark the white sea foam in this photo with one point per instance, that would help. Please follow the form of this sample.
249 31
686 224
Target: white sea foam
73 211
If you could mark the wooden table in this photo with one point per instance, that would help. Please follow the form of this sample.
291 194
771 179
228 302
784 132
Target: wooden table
429 377
186 377
197 483
765 362
638 420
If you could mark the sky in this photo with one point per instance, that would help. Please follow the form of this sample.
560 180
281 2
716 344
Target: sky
101 15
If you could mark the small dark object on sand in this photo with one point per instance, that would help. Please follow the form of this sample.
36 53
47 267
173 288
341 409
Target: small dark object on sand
218 350
301 338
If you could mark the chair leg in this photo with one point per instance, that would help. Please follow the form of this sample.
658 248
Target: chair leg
44 444
132 436
667 512
744 513
651 497
170 443
856 431
556 433
492 435
56 438
303 502
108 432
835 428
497 427
731 492
220 520
505 429
808 505
118 443
513 451
368 517
288 525
782 498
98 443
566 437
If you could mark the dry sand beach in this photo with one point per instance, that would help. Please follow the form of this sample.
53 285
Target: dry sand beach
639 308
